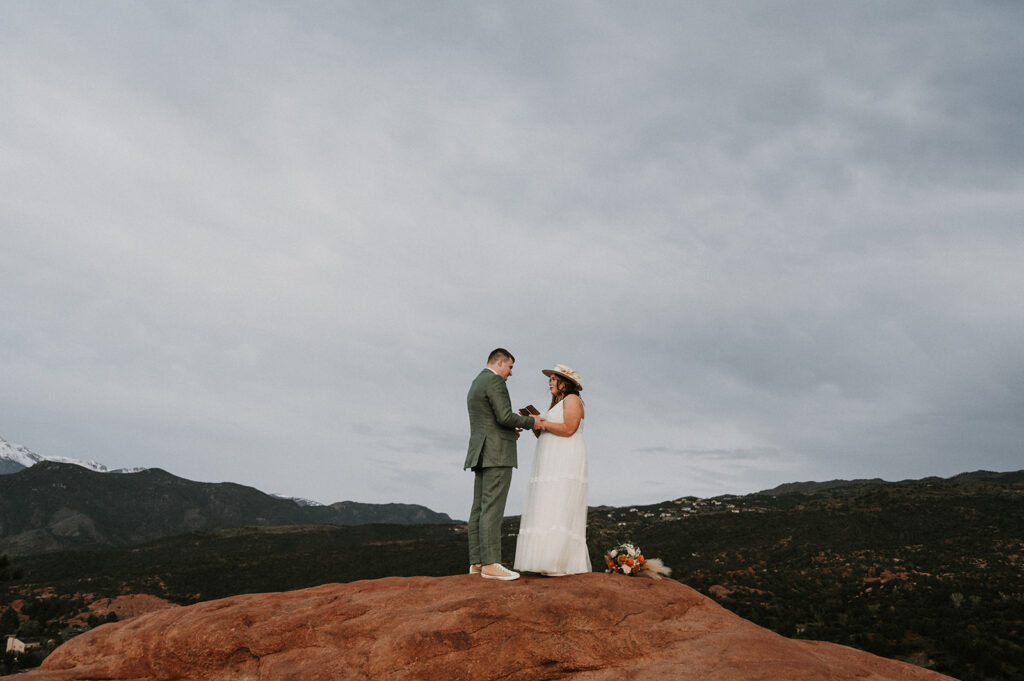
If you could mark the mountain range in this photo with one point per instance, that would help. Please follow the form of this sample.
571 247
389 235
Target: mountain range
812 487
54 506
14 458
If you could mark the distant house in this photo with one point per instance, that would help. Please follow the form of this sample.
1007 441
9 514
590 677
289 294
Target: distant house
15 646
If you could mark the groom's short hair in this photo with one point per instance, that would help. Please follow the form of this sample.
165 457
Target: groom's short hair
498 353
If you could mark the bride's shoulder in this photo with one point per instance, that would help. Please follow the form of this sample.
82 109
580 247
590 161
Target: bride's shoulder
574 401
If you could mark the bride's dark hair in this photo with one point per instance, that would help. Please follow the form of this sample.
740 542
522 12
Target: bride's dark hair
565 388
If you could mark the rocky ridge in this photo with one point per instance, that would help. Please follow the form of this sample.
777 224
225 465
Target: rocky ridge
53 506
588 627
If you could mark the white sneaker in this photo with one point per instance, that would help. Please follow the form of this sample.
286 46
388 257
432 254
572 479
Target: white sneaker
474 569
498 571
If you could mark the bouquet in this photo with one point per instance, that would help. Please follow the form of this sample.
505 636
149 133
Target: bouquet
629 560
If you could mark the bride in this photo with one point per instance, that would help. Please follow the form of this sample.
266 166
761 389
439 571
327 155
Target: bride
553 531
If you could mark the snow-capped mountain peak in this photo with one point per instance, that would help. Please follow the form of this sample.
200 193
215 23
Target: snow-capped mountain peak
18 456
23 456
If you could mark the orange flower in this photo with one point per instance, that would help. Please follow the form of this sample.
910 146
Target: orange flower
629 562
622 559
611 564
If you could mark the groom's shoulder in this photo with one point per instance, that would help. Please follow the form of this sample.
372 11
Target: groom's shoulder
487 380
484 377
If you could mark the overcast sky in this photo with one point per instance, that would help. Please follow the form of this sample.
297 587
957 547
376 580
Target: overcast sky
273 243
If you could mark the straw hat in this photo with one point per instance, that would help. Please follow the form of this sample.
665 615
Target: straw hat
566 373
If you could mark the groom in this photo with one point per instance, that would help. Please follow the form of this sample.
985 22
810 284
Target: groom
491 456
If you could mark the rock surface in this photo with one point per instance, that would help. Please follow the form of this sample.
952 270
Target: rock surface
127 607
585 627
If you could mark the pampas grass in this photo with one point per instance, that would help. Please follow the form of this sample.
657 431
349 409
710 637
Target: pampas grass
654 568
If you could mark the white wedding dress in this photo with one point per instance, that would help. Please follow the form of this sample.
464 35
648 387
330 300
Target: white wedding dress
553 530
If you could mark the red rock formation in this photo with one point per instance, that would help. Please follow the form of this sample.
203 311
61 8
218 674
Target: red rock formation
591 627
125 607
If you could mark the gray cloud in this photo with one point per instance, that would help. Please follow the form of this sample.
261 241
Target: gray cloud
274 245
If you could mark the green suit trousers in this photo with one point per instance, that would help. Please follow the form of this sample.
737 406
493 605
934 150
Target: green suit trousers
490 489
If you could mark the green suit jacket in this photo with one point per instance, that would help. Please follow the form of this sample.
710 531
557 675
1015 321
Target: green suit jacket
492 423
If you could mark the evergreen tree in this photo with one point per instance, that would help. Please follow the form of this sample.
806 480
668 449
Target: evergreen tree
8 622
